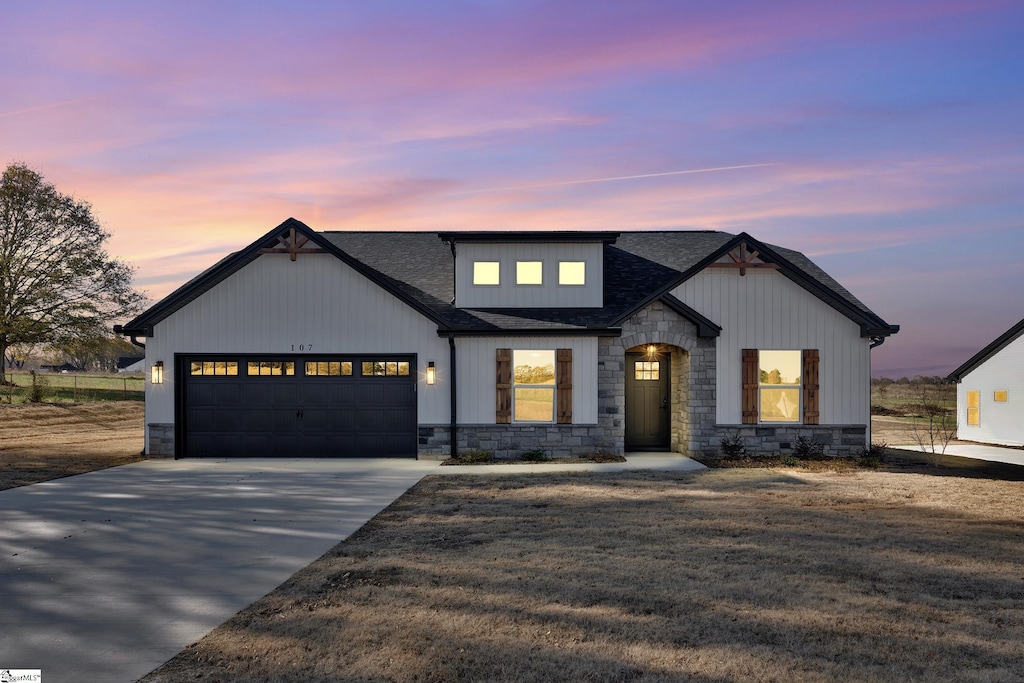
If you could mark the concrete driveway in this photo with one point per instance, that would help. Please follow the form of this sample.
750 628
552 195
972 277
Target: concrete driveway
105 576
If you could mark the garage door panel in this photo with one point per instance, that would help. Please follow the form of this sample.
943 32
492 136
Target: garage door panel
299 415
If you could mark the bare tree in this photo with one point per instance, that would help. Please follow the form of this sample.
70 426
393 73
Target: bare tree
936 425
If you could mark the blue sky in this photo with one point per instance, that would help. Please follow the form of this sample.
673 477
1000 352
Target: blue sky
883 139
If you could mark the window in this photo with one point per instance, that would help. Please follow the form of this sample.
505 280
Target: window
214 367
386 368
572 273
529 272
974 408
486 273
779 386
271 367
1000 396
646 370
533 386
328 368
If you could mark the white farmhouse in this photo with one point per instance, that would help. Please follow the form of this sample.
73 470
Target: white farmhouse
990 392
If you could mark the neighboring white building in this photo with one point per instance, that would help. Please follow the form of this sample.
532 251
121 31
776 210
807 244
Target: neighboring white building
990 392
339 344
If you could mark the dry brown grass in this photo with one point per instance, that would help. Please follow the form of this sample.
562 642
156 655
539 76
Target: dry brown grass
727 575
43 442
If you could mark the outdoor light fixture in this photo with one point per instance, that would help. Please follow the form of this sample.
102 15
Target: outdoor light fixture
158 372
431 372
651 349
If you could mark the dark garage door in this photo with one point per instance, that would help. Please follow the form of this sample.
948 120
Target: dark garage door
298 406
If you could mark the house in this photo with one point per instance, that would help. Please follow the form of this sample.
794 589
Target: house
131 364
338 344
990 392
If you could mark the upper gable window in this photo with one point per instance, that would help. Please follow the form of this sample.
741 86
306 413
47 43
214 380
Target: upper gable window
529 272
572 273
486 273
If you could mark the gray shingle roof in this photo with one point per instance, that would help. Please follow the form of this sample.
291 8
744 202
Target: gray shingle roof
419 267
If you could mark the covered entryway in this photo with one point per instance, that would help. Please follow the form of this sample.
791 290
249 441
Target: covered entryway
296 406
648 401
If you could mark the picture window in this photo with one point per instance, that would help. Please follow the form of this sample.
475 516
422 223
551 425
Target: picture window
533 386
779 386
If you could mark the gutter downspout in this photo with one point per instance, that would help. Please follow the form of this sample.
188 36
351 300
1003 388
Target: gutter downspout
454 448
119 329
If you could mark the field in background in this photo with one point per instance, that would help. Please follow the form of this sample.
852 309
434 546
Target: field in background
896 409
74 387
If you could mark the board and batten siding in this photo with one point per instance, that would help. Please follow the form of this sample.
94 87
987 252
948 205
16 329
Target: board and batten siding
765 310
1000 423
476 358
548 295
274 305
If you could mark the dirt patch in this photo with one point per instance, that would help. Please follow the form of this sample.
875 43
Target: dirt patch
738 575
43 442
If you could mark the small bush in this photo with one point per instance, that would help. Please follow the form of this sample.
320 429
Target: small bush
37 392
789 460
475 455
869 462
535 455
808 449
873 456
733 446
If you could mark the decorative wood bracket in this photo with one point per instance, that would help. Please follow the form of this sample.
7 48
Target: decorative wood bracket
743 259
292 245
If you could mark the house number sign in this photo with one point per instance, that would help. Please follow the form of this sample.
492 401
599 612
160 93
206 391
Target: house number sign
302 347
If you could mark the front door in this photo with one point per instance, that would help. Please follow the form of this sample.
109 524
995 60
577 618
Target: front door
648 402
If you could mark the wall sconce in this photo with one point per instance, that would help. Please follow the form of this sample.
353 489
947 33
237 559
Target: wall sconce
431 372
157 376
652 350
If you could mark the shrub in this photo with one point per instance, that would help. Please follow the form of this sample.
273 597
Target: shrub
733 446
808 449
475 455
789 460
37 392
535 455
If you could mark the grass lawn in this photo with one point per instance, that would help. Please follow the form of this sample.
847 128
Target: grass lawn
39 442
726 575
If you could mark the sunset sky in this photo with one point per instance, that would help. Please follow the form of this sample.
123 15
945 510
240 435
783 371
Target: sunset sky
883 139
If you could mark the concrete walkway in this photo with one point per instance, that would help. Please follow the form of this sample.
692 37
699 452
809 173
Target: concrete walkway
104 576
978 451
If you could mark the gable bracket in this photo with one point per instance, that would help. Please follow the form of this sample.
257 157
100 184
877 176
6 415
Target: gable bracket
292 245
743 259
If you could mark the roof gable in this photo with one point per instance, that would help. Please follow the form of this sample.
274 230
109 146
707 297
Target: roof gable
418 268
992 349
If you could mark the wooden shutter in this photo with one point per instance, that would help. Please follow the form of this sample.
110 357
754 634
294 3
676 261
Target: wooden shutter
751 380
809 377
563 378
503 386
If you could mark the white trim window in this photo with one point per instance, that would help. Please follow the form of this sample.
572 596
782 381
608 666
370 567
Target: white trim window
572 273
529 272
487 273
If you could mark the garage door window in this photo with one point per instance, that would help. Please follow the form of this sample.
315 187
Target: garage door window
271 367
386 368
211 368
328 368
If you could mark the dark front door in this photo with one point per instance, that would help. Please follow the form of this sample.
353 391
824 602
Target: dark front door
648 402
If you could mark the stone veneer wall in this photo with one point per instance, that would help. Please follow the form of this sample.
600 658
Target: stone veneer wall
837 440
511 441
161 440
